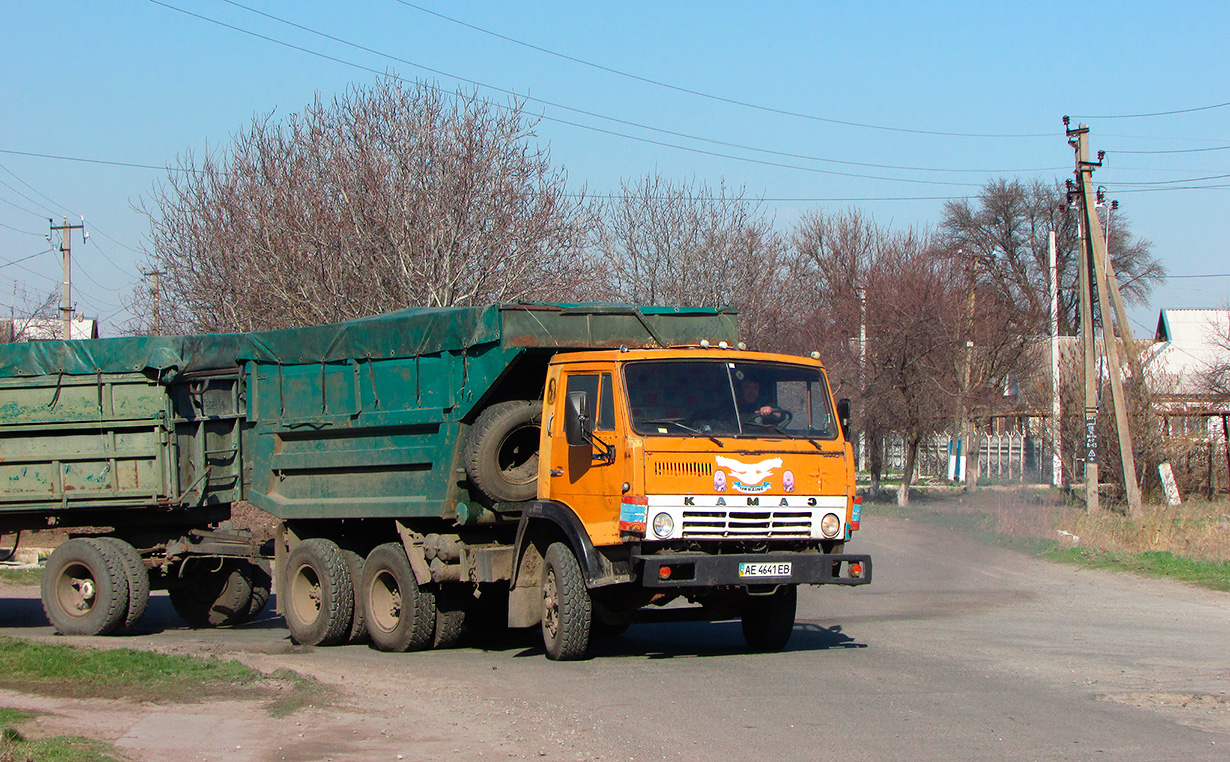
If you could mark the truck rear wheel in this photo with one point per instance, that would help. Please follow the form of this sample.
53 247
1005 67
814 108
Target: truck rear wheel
214 597
84 588
450 615
358 623
319 605
400 615
138 581
768 620
502 451
567 610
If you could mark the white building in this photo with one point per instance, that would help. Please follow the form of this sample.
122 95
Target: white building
46 329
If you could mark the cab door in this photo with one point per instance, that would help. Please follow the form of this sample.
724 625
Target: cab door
589 484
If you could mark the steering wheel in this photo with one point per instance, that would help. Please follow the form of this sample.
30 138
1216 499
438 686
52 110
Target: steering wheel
784 418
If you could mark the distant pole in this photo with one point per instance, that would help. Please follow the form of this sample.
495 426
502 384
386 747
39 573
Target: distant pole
156 294
862 371
66 296
1056 411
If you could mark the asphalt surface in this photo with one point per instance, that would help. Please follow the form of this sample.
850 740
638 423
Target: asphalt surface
956 651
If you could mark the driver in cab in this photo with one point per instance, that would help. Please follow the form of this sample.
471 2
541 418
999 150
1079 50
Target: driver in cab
752 409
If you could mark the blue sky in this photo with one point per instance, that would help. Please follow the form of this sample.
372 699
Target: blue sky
132 81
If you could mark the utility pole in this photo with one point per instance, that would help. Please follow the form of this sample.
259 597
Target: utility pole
862 372
66 296
968 454
156 293
1097 273
1056 411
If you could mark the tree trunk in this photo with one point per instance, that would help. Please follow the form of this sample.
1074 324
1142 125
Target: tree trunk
972 444
911 456
875 457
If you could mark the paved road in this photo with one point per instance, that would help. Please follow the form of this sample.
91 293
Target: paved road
955 652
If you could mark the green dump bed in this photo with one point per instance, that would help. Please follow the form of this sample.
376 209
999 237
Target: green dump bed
360 419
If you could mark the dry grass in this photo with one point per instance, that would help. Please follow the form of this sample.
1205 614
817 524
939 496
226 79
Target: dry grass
1198 529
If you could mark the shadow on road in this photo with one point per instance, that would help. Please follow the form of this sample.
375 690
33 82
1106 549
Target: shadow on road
26 612
693 639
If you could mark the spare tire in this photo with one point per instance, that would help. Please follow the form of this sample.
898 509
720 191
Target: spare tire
502 451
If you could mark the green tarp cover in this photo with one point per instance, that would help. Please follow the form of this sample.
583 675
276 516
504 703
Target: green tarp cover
157 356
404 333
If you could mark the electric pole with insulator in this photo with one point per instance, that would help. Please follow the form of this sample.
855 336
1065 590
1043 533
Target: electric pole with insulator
66 248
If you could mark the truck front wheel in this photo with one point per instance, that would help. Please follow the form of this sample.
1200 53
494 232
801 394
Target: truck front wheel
768 620
319 594
567 609
400 615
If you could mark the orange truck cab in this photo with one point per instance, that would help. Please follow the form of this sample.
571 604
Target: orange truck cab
719 476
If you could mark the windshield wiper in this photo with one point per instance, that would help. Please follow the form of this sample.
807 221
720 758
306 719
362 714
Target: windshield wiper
689 429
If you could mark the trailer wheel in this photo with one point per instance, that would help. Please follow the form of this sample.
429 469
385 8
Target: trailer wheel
319 605
138 581
768 621
502 451
400 615
450 616
84 588
567 610
214 597
262 586
487 615
358 623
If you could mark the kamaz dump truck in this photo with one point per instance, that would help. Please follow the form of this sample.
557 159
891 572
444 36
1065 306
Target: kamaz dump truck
487 467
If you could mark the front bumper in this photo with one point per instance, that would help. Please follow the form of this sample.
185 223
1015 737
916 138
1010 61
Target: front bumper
704 570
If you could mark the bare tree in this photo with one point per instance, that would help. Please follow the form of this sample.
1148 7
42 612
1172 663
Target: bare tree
1216 376
914 330
29 309
385 197
692 245
908 295
1006 234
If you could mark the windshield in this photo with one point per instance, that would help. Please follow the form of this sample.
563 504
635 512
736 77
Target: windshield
727 399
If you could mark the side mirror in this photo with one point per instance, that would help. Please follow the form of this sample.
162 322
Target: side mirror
576 420
843 416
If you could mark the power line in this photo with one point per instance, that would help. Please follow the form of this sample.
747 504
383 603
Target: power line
1116 189
1155 113
1176 150
779 200
91 161
697 93
19 230
1210 275
36 190
552 104
8 262
93 225
1176 182
27 198
22 208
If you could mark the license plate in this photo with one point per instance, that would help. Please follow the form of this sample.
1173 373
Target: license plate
765 570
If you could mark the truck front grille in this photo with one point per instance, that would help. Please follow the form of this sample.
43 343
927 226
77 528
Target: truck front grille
680 468
717 523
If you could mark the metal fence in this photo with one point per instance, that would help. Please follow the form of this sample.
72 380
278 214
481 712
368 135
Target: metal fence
1014 455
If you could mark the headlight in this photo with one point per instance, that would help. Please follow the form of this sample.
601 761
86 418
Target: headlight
663 525
829 525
